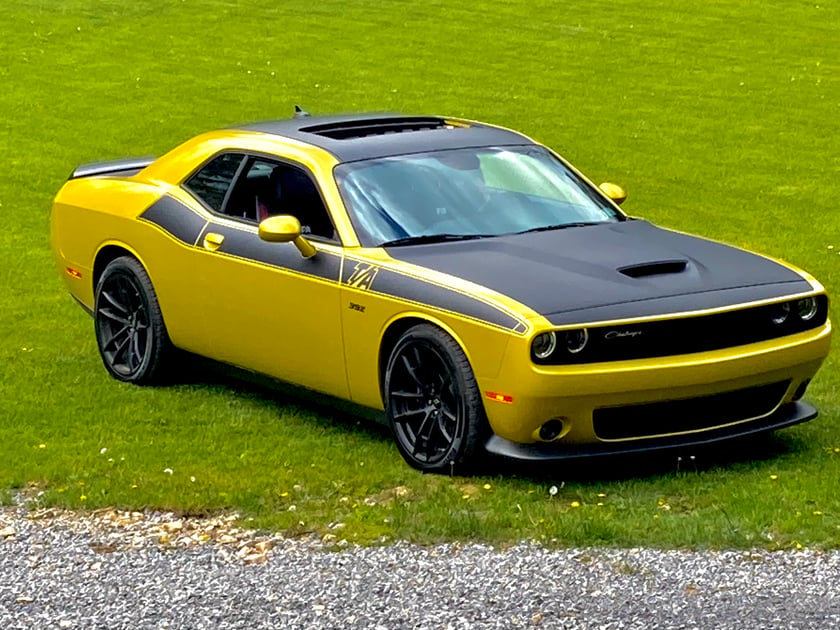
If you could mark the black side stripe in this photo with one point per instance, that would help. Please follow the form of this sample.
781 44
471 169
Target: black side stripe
175 218
249 246
181 222
402 286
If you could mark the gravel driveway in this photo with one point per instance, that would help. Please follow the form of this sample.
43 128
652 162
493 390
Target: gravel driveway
132 570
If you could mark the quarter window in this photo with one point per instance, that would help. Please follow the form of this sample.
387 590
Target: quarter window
211 183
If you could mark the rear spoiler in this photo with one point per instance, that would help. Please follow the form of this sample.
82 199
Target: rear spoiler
125 167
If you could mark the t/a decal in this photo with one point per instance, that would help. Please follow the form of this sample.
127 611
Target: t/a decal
362 276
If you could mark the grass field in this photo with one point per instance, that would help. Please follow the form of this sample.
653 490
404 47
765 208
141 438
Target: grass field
720 117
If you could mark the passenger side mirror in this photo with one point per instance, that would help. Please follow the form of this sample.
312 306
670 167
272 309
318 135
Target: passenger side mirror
284 228
614 192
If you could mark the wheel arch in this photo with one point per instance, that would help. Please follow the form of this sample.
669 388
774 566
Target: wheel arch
107 253
395 328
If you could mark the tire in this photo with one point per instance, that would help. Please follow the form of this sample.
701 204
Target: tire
433 403
130 332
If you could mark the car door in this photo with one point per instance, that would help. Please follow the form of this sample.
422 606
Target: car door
263 305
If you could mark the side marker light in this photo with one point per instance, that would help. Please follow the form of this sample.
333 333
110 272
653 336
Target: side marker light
502 398
74 273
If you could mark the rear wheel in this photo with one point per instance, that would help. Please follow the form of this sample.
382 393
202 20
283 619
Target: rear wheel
432 401
130 332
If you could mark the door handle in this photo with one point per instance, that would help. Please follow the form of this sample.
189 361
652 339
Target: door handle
213 241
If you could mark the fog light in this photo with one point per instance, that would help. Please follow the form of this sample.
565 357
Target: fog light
576 340
551 430
544 344
806 308
780 313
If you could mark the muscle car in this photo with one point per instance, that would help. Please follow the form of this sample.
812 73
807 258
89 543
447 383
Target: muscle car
459 278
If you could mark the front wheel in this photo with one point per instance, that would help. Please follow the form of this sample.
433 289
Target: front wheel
130 332
432 401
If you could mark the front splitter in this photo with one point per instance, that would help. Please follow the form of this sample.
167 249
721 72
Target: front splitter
785 416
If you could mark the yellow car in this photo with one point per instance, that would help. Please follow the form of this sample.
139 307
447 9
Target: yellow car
458 276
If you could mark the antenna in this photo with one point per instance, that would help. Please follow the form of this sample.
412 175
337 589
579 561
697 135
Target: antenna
300 112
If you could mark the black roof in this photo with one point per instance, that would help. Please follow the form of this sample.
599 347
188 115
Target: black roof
354 137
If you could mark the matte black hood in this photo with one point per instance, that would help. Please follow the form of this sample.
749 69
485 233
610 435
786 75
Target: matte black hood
611 270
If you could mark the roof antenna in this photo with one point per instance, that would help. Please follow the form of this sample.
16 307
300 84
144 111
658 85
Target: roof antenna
300 112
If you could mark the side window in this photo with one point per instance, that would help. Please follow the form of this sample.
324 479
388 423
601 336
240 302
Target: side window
212 182
266 188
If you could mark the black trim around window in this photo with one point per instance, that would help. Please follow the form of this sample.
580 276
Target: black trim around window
247 157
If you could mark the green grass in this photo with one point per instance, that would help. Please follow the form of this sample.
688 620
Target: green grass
718 117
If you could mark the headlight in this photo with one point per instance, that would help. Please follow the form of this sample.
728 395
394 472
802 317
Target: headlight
543 345
806 308
576 340
780 313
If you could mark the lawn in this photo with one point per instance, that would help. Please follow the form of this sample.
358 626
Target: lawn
719 117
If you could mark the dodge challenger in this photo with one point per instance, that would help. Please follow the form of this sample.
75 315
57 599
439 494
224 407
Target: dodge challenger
460 279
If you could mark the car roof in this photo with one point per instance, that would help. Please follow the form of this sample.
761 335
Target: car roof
354 137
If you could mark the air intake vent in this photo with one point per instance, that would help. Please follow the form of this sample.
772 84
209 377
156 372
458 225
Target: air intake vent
692 414
375 127
654 268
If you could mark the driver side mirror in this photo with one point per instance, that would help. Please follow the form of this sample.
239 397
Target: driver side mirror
284 228
615 192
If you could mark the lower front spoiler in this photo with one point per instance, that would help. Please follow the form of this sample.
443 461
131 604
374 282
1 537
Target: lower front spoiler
785 416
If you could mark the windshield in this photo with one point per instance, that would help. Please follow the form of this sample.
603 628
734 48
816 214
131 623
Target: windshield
475 192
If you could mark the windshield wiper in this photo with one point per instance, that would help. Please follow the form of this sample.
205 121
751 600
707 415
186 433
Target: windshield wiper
561 226
431 238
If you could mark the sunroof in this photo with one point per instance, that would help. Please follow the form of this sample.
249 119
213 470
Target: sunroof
376 127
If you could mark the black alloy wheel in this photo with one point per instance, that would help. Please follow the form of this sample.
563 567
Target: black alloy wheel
432 401
130 332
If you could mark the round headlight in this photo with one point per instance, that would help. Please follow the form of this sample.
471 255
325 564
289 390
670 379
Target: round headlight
544 344
779 313
806 308
576 340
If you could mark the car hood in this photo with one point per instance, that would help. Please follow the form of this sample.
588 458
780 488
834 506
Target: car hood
610 270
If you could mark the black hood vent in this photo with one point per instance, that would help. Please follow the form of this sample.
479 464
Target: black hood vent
654 268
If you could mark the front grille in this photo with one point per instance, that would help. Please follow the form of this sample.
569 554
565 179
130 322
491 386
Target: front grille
686 335
689 414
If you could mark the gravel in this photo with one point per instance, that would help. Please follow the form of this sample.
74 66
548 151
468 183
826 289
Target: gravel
150 570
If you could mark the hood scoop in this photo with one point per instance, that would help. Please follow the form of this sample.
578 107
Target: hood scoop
657 268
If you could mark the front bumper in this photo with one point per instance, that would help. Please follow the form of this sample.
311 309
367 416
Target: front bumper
629 391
